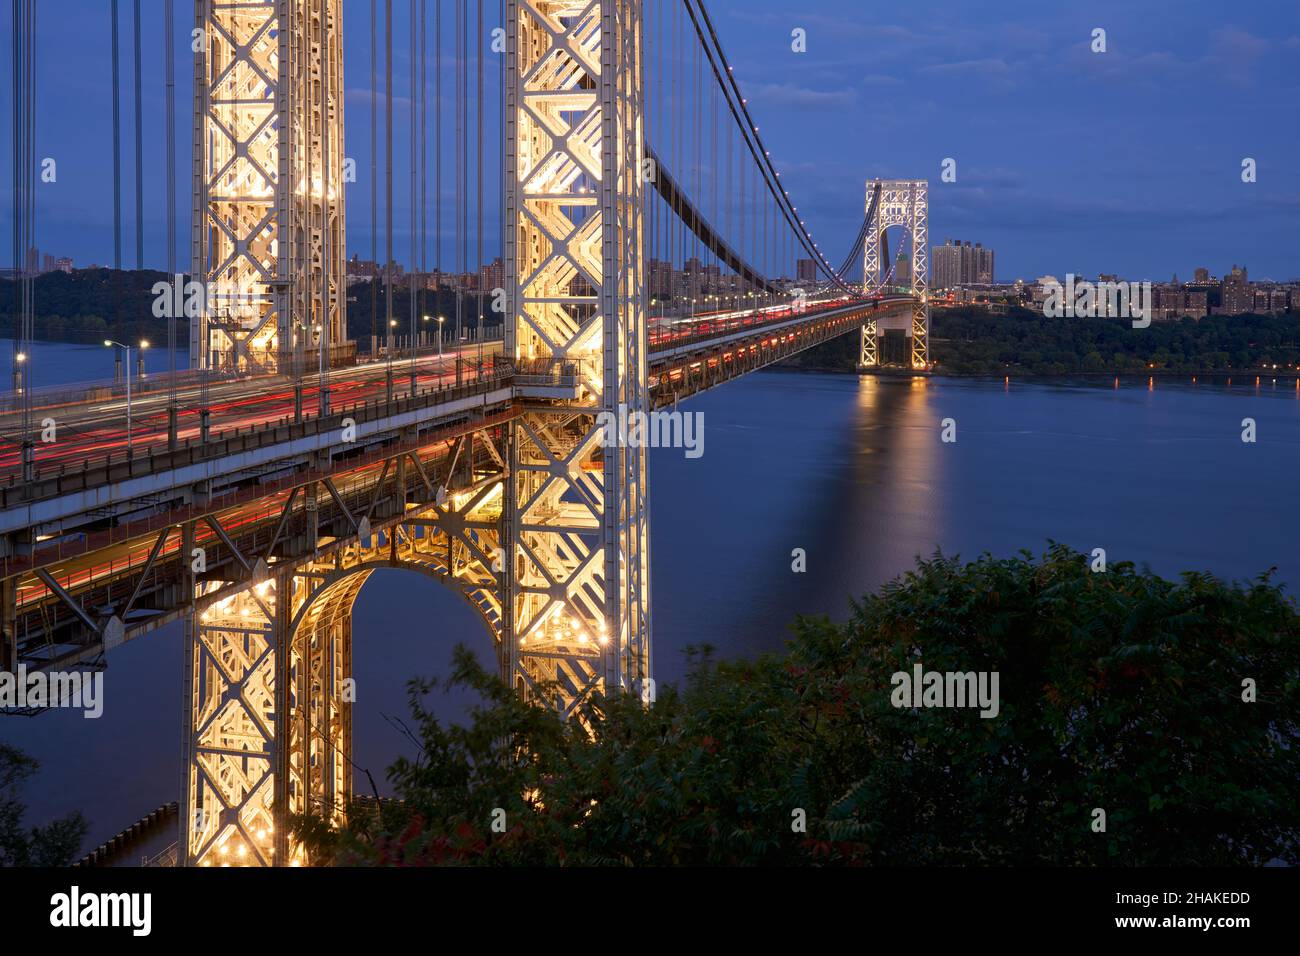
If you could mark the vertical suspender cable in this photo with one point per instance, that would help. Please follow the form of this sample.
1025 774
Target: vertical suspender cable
374 180
169 61
413 15
478 182
424 143
388 178
502 127
437 161
302 102
328 252
117 146
679 138
139 154
388 185
28 215
19 257
698 133
462 186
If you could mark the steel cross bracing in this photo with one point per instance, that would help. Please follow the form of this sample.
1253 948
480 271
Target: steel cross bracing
268 665
901 202
268 183
414 492
576 546
502 489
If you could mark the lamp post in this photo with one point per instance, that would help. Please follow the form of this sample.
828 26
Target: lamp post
441 319
392 326
109 343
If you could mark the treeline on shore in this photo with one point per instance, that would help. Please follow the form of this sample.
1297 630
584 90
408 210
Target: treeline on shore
89 305
974 341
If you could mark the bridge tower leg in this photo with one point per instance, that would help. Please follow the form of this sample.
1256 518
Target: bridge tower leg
902 203
575 574
872 277
269 727
919 224
268 183
234 742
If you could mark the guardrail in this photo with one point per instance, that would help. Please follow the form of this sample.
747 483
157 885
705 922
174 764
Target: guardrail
130 463
112 851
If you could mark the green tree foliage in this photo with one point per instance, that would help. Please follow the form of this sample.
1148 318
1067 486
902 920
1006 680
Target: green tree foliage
972 341
55 844
87 305
1119 690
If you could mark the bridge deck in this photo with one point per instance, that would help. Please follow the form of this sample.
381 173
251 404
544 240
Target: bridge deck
105 525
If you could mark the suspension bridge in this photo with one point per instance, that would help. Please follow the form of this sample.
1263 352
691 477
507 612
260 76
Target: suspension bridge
647 244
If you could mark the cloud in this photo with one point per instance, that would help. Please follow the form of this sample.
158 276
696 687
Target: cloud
988 66
800 97
1235 55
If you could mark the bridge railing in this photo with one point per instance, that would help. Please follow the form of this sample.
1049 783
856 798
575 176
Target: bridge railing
558 372
158 382
111 467
680 332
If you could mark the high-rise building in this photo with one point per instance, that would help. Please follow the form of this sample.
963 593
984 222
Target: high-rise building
959 263
945 265
983 265
806 270
658 278
1169 301
1237 297
493 275
1202 276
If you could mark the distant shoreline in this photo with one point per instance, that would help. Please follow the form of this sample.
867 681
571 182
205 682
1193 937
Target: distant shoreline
1054 376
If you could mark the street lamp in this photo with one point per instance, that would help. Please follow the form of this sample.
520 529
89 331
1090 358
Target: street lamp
441 319
109 343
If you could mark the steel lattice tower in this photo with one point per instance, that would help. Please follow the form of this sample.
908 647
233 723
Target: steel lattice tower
266 733
268 182
903 202
576 545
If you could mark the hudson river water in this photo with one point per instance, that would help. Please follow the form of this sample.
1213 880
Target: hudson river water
852 471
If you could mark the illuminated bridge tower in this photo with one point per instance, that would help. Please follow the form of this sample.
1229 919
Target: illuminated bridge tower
268 183
576 564
266 731
903 202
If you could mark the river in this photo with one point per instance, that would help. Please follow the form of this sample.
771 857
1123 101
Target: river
851 470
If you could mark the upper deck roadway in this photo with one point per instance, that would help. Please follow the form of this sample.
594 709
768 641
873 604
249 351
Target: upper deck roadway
95 520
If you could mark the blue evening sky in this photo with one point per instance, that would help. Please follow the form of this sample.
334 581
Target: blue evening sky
1067 160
